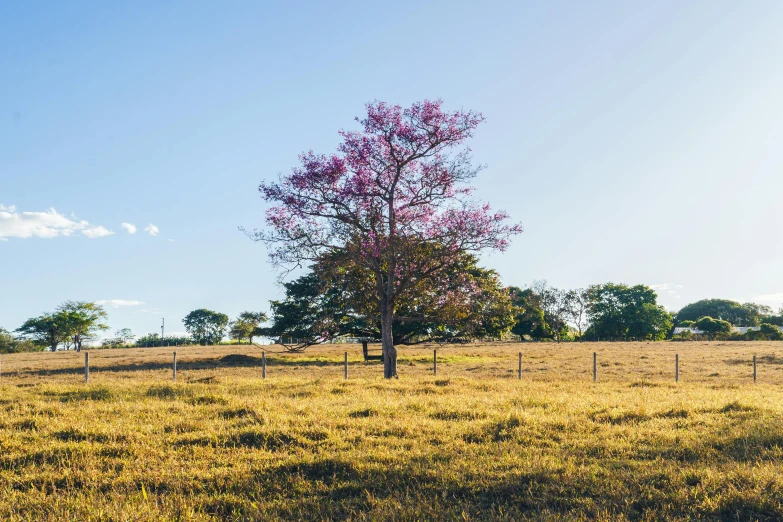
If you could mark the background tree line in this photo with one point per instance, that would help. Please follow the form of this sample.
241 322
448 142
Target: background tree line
329 302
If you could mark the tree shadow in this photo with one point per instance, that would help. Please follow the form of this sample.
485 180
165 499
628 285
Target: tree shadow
227 361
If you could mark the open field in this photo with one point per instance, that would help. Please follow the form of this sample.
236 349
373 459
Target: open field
472 443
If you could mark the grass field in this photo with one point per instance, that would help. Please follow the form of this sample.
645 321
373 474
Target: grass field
472 443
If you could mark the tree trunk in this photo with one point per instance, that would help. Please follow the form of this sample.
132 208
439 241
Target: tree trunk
389 352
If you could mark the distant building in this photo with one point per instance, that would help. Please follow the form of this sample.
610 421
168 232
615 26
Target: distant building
734 329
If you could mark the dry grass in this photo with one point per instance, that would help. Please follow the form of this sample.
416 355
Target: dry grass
471 443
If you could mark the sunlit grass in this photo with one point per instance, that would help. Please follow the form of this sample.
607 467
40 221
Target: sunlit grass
471 443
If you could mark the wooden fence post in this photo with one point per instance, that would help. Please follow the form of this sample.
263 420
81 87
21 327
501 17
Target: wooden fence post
676 367
263 365
520 366
174 368
86 366
346 365
435 362
595 367
754 368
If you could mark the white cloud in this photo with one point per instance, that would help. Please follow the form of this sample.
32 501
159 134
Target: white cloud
97 232
769 298
665 286
44 225
129 227
116 303
171 240
151 229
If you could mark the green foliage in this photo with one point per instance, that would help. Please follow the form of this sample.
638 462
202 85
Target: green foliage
713 327
205 326
9 344
121 338
153 340
771 332
81 320
330 302
748 314
46 330
247 325
530 320
621 312
766 332
686 323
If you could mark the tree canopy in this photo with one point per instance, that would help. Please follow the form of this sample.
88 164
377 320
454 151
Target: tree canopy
81 320
621 312
330 301
247 325
45 330
72 323
748 314
206 326
713 327
529 320
10 344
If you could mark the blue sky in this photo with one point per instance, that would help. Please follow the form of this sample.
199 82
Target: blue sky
637 142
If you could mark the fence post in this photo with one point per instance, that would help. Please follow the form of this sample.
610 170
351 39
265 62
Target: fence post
174 368
754 368
595 366
435 362
346 365
676 367
520 366
86 366
263 365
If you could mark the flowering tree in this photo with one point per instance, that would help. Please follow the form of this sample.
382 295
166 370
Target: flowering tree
393 186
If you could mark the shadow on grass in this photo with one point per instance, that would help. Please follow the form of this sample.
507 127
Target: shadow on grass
764 359
422 488
227 361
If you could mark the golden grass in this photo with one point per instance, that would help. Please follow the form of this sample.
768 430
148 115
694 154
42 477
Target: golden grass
472 443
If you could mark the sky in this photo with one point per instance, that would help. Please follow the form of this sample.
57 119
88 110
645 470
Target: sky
636 142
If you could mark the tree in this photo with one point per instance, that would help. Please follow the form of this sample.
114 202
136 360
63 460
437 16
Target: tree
329 302
770 332
125 335
686 323
121 338
621 312
81 320
205 326
9 344
392 187
246 326
46 330
749 314
713 327
529 320
757 313
554 303
577 302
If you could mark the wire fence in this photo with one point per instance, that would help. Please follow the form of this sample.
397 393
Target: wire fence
616 365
